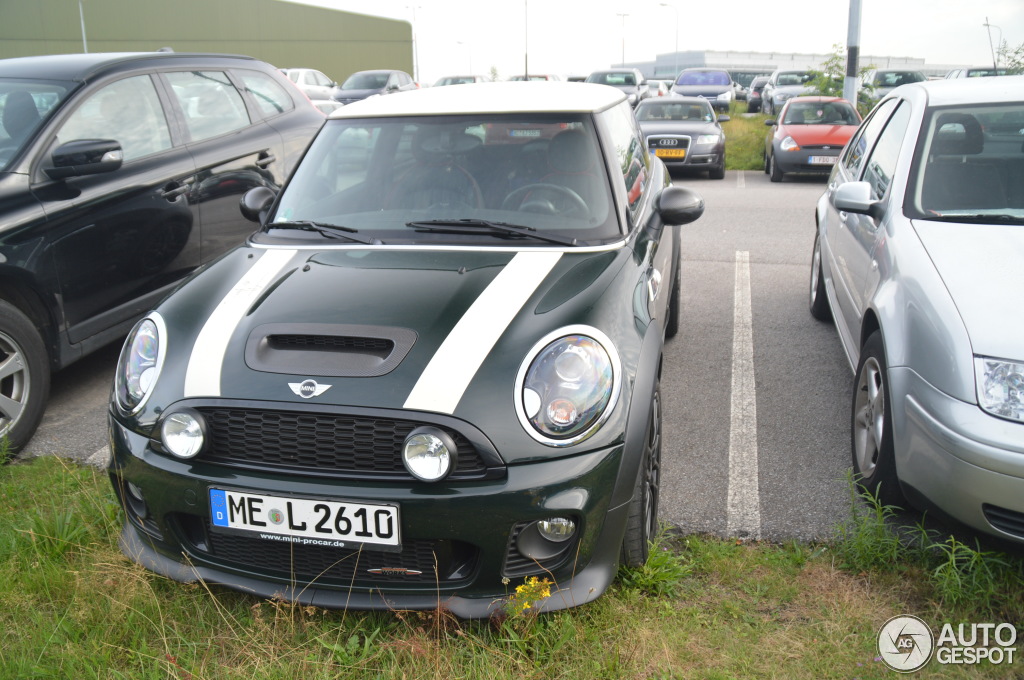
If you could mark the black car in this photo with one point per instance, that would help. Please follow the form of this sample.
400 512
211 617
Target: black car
714 84
684 133
364 84
431 374
755 94
120 174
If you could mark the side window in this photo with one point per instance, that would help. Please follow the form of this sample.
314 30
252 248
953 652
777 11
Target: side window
270 97
881 164
128 111
864 139
211 104
629 151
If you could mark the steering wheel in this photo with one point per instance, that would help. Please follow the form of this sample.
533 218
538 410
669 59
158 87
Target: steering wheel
515 200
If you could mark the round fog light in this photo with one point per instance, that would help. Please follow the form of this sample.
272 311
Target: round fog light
557 529
429 454
183 433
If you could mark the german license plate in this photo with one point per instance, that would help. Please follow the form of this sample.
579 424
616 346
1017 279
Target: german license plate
822 160
670 153
304 521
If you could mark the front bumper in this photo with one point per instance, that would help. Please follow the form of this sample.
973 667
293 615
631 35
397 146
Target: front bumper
805 160
459 539
968 464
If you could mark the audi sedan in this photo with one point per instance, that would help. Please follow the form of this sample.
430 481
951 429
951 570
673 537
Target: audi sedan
432 373
684 133
917 260
808 136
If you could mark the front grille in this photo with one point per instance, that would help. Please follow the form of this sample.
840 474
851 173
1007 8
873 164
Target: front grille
669 142
438 562
323 444
1010 521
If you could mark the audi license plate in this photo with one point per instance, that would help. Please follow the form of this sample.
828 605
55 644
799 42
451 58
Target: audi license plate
670 153
304 521
822 160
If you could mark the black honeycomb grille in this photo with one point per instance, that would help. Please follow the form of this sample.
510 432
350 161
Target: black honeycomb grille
321 443
453 560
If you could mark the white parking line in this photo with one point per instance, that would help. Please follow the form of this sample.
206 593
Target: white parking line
743 512
741 179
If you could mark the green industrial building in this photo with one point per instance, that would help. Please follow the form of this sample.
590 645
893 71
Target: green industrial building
285 34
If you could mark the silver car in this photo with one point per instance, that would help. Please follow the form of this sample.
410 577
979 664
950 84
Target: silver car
919 259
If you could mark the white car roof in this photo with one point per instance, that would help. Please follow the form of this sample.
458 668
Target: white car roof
506 97
992 89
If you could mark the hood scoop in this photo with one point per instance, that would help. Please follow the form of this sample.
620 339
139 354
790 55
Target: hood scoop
344 351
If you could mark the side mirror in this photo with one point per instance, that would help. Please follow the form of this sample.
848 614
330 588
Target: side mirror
679 205
770 122
855 197
255 203
85 157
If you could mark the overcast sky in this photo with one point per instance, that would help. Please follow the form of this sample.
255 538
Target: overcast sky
580 36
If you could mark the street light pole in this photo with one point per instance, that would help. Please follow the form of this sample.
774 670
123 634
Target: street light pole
995 64
81 18
675 58
623 63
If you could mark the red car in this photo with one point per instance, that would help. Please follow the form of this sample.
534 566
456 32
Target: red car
808 135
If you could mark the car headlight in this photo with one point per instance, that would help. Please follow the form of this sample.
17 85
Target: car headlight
725 96
139 365
1000 387
707 139
789 144
782 96
567 386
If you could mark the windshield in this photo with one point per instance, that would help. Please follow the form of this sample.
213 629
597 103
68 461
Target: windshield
617 79
366 81
968 165
793 78
897 78
690 111
24 105
820 113
704 78
539 171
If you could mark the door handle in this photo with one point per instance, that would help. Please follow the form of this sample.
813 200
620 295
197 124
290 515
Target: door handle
265 159
175 189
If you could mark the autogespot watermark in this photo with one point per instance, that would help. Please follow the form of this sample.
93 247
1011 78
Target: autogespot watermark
906 644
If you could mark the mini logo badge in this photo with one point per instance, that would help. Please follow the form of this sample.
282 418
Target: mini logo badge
307 389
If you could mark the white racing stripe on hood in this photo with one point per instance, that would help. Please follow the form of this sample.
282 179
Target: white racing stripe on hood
202 379
446 377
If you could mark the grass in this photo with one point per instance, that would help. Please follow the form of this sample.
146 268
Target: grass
701 607
744 138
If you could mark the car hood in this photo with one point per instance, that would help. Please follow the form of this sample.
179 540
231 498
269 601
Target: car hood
793 90
430 330
701 90
342 95
980 266
694 128
818 135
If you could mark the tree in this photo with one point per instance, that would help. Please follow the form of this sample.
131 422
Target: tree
1013 59
828 81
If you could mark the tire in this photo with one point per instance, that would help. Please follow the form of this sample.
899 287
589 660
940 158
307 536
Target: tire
773 169
818 302
24 377
642 519
766 162
672 327
718 172
874 462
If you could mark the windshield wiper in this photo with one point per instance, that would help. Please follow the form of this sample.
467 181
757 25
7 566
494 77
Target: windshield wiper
326 229
979 218
487 227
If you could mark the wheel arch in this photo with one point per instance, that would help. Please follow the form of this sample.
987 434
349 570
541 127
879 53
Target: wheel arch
26 298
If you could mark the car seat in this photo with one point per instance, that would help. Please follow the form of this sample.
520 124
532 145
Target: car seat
437 179
20 115
954 178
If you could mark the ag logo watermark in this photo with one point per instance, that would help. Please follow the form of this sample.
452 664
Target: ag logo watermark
906 644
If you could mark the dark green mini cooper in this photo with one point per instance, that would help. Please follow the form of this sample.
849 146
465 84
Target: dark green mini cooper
432 373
